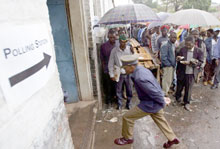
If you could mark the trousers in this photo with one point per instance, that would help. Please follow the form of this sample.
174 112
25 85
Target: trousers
109 88
187 83
136 113
167 79
124 79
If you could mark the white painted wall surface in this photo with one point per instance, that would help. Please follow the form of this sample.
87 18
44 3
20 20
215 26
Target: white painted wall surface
40 121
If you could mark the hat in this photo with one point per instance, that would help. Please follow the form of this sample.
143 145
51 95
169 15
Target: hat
129 59
165 27
202 30
123 37
195 30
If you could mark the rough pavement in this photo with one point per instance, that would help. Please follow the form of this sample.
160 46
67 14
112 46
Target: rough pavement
199 129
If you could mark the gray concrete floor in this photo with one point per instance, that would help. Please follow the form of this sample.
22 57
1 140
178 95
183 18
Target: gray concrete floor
199 129
81 122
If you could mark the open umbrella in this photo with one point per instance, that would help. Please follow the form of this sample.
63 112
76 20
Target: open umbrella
131 13
154 24
163 15
187 26
192 17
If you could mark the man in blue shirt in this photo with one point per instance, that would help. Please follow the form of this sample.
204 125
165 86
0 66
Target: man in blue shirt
152 102
168 62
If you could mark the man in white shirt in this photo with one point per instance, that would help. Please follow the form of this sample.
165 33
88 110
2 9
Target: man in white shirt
115 62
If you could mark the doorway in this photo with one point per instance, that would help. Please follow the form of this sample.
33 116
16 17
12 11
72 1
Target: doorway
63 50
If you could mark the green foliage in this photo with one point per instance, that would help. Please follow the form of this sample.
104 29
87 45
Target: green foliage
149 3
186 4
176 4
213 9
197 4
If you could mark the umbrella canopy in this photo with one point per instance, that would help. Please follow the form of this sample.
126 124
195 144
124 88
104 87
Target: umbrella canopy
154 24
117 25
187 26
131 13
163 15
192 17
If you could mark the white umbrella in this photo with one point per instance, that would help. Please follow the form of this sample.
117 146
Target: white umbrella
192 17
163 15
154 24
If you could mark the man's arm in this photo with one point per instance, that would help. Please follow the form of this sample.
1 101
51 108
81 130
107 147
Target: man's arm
157 44
111 63
152 91
102 56
153 43
200 58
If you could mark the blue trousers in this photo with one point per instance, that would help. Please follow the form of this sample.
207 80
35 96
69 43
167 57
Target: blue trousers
124 79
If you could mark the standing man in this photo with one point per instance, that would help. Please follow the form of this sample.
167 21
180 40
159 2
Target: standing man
162 38
154 38
108 84
216 58
187 70
199 43
209 66
168 62
152 102
115 62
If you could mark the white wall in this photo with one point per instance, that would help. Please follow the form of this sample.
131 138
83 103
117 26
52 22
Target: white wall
40 121
81 53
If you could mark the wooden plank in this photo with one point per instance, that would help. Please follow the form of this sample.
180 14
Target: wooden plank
146 57
154 59
134 43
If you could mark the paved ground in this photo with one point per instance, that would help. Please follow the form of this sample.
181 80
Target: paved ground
199 129
81 118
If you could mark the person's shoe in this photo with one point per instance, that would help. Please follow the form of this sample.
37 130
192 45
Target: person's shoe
210 82
187 107
214 86
205 83
123 141
168 144
119 108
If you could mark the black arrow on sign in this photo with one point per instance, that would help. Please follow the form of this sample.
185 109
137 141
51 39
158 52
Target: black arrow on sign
30 71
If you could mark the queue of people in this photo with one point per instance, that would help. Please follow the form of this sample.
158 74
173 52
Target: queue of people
186 56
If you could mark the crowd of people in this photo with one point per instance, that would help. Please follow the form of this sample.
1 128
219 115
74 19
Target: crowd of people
186 55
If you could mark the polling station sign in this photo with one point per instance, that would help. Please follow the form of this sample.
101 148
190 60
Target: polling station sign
26 61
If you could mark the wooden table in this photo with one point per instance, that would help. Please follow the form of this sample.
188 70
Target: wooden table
146 57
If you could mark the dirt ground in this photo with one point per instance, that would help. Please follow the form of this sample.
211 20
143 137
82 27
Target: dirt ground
199 129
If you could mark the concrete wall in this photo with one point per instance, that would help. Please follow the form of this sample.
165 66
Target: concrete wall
40 121
81 53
